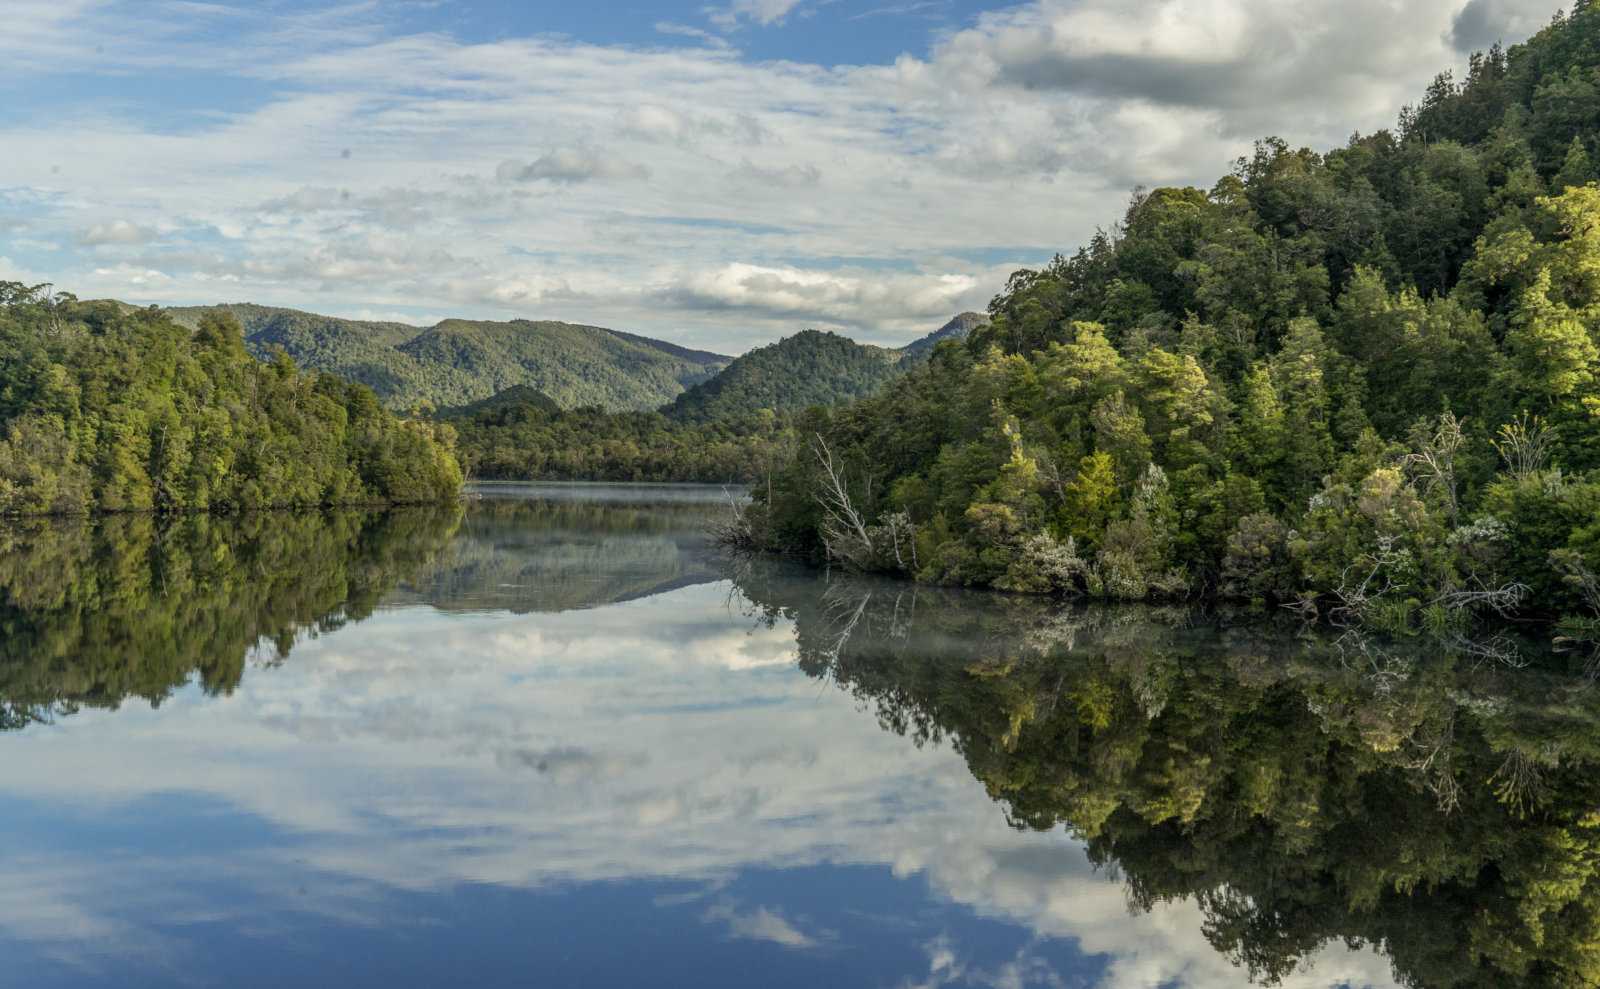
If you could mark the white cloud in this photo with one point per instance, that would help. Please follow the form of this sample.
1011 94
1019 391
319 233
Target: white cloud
817 294
796 176
114 232
763 12
761 924
685 174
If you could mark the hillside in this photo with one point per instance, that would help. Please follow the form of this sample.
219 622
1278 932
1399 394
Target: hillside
1364 383
958 328
517 397
809 368
461 361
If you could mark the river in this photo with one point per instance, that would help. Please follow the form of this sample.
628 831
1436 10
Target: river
555 737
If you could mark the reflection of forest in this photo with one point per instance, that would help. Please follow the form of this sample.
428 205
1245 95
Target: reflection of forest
1442 808
541 555
1303 790
92 613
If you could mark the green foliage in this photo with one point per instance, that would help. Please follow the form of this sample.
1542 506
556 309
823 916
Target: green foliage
732 428
108 408
809 368
1318 355
461 361
521 434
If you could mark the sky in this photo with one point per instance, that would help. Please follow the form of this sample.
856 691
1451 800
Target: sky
715 174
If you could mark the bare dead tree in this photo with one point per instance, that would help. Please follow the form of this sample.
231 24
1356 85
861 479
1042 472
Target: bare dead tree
844 528
735 528
1503 600
1432 757
1435 463
1378 582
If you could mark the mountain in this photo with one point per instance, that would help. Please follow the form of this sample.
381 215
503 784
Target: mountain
515 397
809 368
957 329
461 361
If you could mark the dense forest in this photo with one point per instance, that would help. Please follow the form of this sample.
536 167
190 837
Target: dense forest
732 428
1366 383
528 440
460 361
105 407
1304 791
809 368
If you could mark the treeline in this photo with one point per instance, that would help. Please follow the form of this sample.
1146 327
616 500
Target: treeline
105 407
1365 382
732 428
529 439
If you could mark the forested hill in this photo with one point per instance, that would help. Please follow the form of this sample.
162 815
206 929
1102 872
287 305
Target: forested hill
958 328
461 361
104 407
809 368
1365 382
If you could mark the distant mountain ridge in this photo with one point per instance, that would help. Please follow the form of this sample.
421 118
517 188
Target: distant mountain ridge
958 328
461 364
810 368
457 361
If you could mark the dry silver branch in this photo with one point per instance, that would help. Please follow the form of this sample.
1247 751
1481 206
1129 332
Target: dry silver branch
844 528
1435 462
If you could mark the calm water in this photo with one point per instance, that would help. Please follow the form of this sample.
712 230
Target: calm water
555 739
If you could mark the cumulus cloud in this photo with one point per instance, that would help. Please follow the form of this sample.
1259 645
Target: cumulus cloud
816 293
114 232
1257 64
569 166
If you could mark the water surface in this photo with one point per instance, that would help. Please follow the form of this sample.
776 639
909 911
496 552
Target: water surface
555 738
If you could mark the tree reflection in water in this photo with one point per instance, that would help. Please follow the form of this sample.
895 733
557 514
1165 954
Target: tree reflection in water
1438 805
95 613
1302 789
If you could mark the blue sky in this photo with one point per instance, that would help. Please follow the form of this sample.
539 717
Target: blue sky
717 173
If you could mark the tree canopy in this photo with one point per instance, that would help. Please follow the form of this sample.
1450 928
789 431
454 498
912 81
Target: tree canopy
110 408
